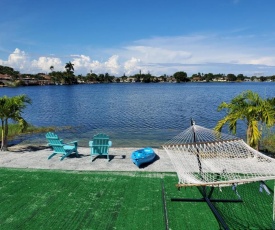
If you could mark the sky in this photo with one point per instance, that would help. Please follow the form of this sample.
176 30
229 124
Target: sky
128 36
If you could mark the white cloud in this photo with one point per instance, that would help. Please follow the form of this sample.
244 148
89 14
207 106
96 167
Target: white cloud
263 61
96 66
158 54
132 66
112 65
200 53
17 60
216 53
44 64
82 63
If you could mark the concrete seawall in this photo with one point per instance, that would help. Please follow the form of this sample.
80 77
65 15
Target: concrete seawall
36 157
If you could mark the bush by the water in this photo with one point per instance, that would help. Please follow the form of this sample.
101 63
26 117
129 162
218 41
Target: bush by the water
268 143
15 130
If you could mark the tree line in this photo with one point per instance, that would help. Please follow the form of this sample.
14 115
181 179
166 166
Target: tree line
68 76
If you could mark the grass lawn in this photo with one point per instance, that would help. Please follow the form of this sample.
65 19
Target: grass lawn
43 199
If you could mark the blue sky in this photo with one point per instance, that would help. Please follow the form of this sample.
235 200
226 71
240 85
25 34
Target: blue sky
126 36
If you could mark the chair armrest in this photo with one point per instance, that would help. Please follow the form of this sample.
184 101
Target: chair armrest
72 142
110 143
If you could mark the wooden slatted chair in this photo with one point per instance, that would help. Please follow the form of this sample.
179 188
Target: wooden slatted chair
100 146
59 147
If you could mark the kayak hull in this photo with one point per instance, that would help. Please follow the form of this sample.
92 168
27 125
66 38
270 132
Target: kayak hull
142 156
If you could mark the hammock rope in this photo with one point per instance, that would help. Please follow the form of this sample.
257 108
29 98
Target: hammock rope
204 157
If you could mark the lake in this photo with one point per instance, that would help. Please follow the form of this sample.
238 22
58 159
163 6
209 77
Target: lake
132 114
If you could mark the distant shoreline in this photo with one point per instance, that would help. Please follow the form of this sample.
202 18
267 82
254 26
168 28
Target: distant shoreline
95 83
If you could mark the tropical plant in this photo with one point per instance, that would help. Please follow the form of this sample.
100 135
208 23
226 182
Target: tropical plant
69 77
69 67
268 143
251 108
12 108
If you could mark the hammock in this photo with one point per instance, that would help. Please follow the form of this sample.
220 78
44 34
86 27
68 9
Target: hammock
203 157
209 159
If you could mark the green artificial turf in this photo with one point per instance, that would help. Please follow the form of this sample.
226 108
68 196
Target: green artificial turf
43 199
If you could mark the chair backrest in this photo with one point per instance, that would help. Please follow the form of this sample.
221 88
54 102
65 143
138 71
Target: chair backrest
55 142
101 143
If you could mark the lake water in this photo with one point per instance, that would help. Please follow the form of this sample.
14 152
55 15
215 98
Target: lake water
133 115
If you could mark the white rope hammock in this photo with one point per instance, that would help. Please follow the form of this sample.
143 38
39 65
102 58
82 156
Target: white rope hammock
203 157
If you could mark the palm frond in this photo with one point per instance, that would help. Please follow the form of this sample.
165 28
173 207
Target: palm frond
220 124
251 108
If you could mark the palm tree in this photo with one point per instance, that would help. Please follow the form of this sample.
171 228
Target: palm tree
51 67
251 108
12 108
69 77
69 67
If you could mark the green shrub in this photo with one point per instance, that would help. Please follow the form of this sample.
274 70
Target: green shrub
14 130
268 143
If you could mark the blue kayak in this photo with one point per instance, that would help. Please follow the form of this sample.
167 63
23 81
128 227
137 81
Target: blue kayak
141 156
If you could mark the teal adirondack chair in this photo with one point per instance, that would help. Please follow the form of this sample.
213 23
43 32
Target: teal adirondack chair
59 147
100 146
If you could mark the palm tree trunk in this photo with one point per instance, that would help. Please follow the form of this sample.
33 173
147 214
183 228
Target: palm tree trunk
248 134
4 146
2 133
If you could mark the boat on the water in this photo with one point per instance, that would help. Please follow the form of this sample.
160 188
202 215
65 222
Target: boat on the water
141 156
